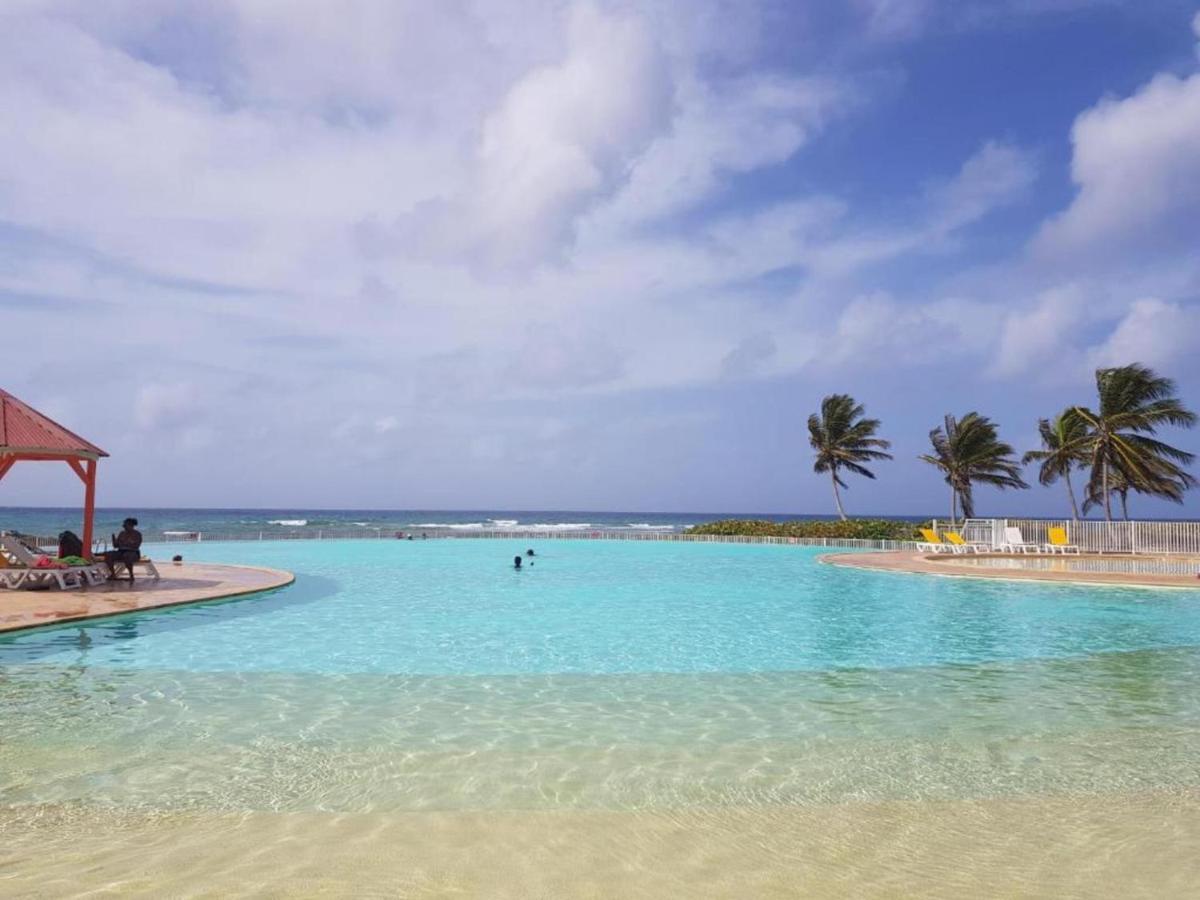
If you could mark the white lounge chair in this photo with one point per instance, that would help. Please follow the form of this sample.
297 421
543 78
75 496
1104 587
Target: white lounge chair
11 577
22 561
1014 542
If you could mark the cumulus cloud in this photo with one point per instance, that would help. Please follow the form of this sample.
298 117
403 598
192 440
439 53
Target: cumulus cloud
561 137
1136 164
741 126
995 175
1036 338
877 329
1152 332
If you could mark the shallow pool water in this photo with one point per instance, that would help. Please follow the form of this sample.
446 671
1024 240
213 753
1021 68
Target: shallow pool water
642 680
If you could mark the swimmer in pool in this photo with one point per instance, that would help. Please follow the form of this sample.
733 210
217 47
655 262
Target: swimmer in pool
516 562
529 552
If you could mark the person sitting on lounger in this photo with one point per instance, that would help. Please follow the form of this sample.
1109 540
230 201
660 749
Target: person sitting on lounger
127 549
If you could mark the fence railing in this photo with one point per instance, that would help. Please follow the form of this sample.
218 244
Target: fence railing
1090 535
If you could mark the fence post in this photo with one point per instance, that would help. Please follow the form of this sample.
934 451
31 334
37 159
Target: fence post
1133 541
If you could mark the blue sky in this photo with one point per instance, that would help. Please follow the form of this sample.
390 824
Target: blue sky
602 255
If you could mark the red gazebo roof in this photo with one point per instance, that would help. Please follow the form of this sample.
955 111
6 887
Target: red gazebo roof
24 430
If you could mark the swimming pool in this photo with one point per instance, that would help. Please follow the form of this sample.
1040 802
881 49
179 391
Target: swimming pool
649 682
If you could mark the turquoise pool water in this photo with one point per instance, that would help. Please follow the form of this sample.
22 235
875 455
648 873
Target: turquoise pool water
609 675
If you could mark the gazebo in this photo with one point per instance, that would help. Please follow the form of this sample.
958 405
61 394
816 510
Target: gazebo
26 434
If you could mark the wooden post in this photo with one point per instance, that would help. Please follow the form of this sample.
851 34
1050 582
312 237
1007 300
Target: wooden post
89 507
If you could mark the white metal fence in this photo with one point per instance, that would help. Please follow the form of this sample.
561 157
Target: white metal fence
1090 535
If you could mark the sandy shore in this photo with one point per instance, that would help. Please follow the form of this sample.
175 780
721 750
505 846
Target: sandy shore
1121 845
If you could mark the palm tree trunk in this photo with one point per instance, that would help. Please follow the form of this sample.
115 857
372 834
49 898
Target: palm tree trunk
1104 488
837 498
1125 505
1071 494
953 505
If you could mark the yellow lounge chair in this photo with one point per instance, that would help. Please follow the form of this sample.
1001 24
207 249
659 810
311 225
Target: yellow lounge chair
932 543
958 545
1059 542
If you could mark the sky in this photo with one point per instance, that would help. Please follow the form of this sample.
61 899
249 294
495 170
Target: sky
578 254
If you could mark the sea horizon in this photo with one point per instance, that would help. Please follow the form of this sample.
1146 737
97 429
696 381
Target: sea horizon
281 521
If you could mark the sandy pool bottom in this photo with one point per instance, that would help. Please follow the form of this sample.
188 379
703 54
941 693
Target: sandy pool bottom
1121 845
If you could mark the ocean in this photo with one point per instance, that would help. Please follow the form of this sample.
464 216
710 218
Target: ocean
284 523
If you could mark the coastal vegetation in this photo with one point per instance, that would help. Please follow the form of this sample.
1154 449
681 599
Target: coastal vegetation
844 439
861 529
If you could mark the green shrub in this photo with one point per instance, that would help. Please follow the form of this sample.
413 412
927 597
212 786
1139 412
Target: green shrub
860 529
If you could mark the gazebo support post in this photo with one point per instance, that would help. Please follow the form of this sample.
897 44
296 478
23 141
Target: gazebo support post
89 506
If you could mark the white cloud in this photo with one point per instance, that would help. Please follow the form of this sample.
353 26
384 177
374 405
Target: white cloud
878 330
560 138
996 175
1136 162
738 127
1034 340
1152 332
895 18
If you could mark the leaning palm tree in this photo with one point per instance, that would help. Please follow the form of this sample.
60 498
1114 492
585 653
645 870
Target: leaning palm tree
844 439
1134 403
1162 486
1165 488
968 451
1061 451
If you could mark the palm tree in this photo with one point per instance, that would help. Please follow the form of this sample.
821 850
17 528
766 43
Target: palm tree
968 451
1064 432
1162 486
1134 403
843 439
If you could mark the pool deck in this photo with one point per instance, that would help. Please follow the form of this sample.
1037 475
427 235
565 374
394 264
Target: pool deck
187 583
949 565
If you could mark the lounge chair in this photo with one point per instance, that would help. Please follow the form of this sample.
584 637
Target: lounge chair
1014 542
959 545
1059 543
22 570
10 576
932 543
